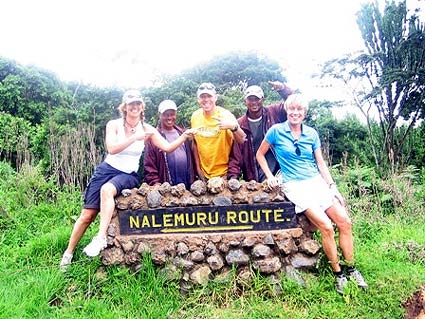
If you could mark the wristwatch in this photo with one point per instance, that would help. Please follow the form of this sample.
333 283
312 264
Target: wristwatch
235 128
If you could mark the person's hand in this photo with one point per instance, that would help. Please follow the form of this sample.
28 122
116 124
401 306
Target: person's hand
273 182
335 193
277 85
226 123
190 132
140 135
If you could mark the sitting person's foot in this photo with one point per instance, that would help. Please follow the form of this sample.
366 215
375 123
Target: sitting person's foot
356 276
66 260
95 247
340 283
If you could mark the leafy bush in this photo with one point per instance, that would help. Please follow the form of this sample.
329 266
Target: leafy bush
7 194
15 137
33 188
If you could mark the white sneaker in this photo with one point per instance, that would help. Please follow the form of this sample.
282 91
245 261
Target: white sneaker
66 261
340 283
96 245
358 278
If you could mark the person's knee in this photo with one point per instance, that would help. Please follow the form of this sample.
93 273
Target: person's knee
327 230
107 190
87 216
340 218
345 224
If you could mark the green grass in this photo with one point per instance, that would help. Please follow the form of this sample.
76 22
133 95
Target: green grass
390 252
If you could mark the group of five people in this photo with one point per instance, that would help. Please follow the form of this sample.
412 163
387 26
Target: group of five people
265 140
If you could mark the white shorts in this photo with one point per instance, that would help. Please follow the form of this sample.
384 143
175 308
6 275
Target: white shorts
310 193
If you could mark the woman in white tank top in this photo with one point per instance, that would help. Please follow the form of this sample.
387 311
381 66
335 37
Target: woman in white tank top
125 140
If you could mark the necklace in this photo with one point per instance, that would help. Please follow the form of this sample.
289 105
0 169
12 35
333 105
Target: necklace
255 120
130 127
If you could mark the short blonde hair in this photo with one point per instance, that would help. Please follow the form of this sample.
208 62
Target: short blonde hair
296 100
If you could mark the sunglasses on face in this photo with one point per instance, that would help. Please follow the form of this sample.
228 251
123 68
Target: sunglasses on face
293 109
297 148
135 103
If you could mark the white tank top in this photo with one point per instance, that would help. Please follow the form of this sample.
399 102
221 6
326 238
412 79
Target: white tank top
128 159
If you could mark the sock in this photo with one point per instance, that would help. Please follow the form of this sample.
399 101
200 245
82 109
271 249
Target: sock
350 269
338 273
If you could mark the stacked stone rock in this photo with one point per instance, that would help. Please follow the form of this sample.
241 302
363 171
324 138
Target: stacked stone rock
197 258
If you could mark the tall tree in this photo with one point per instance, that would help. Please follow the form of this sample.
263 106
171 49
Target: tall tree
388 80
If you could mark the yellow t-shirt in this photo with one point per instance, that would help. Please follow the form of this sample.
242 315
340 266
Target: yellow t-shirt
213 144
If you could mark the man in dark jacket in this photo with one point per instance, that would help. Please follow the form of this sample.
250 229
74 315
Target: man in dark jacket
255 123
175 167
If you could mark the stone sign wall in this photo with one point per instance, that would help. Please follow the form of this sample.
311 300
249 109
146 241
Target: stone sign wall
200 234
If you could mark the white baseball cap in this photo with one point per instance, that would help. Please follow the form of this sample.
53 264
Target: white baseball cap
166 105
132 96
254 90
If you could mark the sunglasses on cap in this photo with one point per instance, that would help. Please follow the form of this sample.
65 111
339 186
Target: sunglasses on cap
206 86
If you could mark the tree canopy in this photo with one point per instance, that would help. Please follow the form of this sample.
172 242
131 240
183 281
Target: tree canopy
231 73
62 124
389 79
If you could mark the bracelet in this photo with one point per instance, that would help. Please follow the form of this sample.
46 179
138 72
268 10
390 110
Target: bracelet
235 128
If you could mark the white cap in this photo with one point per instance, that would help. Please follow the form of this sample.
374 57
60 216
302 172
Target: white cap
132 96
166 105
254 90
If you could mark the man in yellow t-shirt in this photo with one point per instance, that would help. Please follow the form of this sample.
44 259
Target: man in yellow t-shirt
216 128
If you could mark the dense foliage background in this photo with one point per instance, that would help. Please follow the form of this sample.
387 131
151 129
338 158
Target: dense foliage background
51 138
60 126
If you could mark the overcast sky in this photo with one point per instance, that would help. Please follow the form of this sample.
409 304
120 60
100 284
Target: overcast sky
128 43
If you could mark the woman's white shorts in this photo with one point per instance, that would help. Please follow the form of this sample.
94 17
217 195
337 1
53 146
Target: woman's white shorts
311 193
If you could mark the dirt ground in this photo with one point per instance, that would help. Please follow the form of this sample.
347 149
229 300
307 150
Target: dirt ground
415 305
